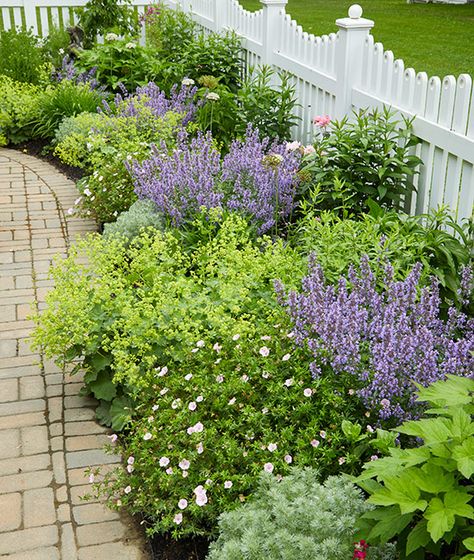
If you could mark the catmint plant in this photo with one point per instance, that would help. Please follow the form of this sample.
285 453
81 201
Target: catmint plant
256 178
388 339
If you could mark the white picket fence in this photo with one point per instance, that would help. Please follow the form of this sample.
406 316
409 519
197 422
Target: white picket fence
334 75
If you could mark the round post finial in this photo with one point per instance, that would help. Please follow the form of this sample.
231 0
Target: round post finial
355 11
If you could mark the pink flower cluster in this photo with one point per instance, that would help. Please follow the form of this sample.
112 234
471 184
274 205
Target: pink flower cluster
322 121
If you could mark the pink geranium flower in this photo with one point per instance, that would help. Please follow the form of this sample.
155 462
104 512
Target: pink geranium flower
322 121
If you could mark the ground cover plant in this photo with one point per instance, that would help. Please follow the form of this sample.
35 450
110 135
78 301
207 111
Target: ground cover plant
107 143
435 37
19 106
295 518
424 495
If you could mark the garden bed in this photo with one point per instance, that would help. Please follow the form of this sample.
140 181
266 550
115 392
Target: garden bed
258 316
36 148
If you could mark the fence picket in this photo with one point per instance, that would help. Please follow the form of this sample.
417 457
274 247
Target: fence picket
443 111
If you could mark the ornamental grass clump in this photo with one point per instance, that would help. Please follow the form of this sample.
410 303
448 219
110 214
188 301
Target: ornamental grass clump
256 178
386 338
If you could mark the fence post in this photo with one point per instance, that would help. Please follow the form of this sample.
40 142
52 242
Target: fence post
353 31
271 10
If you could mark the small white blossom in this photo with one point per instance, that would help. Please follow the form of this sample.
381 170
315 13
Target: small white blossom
188 82
212 96
147 436
286 357
228 484
264 351
164 462
272 447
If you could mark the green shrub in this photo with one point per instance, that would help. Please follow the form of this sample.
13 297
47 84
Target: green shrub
387 236
21 58
163 25
297 518
18 109
66 99
105 145
366 158
269 108
141 215
72 137
119 61
213 55
425 495
100 16
55 45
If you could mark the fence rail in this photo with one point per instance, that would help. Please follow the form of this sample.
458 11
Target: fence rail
333 74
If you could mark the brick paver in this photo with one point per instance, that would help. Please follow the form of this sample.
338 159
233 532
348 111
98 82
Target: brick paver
47 431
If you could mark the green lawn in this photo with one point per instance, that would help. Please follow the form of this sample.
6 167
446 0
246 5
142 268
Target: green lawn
435 38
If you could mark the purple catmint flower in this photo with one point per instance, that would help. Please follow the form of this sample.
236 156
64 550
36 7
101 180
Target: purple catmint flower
180 100
260 179
182 182
387 338
255 178
68 71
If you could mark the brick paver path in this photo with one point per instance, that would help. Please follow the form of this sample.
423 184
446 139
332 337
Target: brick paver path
47 432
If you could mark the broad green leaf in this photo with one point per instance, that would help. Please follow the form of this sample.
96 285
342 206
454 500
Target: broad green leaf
120 413
441 514
456 391
401 491
390 523
462 426
464 457
418 537
103 387
469 544
100 361
440 519
431 430
433 479
458 502
411 457
382 468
